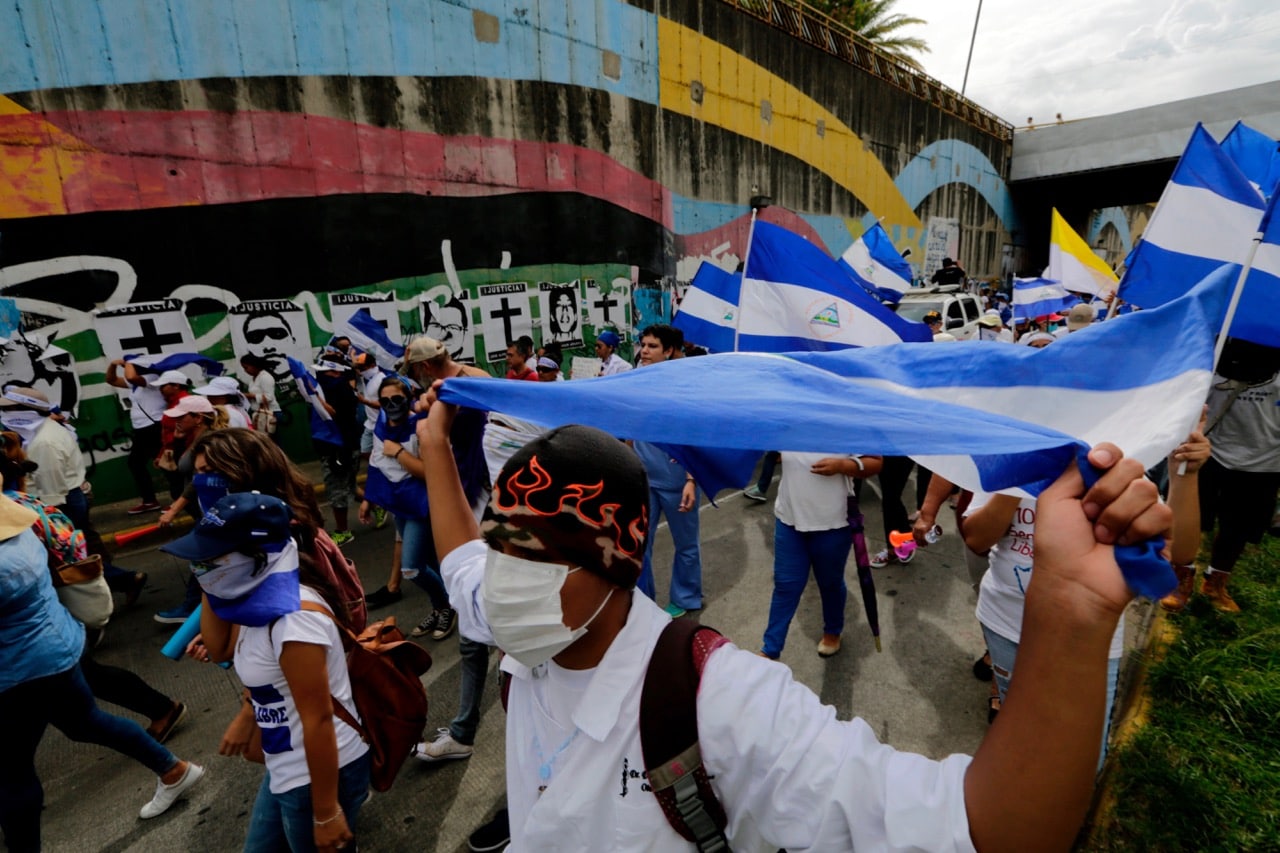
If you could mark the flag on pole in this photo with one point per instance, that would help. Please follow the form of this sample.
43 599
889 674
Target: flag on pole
371 336
308 388
1256 155
1036 297
1073 263
795 297
1255 318
1206 217
173 361
877 265
708 312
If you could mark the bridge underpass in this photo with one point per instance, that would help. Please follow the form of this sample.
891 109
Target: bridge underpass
1120 159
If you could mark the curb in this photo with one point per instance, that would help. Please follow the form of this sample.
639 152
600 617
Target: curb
185 521
1160 636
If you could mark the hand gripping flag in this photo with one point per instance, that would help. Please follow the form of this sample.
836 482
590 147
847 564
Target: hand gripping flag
795 297
877 265
1073 263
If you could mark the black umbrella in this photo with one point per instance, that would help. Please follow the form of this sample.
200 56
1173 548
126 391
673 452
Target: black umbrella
865 581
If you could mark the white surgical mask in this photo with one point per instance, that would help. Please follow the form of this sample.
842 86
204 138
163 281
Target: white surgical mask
522 604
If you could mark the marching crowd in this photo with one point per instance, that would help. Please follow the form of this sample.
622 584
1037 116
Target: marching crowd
534 542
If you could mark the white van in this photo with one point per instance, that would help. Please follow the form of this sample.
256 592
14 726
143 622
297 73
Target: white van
960 311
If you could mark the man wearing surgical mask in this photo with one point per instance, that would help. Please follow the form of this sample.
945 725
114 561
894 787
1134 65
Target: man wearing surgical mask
551 583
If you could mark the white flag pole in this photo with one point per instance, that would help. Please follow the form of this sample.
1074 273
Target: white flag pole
746 258
1231 309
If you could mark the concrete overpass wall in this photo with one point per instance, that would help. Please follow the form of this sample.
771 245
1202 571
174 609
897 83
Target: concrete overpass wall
283 161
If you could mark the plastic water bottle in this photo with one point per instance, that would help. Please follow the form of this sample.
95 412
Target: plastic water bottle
934 534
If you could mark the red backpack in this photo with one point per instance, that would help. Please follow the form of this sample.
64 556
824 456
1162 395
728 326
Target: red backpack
341 573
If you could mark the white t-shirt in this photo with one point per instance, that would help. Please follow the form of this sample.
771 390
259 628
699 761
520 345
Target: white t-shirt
237 418
263 384
257 662
1248 437
148 406
808 501
1002 597
614 365
391 468
370 380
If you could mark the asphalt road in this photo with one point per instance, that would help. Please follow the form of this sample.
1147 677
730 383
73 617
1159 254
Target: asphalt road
918 694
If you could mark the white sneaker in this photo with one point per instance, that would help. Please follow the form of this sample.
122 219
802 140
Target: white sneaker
882 558
167 795
443 748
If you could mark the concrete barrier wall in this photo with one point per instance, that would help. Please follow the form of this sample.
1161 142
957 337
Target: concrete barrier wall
174 174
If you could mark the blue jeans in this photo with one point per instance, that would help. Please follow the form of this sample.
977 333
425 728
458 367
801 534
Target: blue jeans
686 567
64 701
285 821
475 671
1005 651
418 559
794 552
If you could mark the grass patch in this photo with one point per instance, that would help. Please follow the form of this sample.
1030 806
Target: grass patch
1204 773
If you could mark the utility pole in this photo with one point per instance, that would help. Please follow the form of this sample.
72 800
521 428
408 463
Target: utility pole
972 39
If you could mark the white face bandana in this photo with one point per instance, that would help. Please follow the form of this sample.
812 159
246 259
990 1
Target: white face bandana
24 423
522 603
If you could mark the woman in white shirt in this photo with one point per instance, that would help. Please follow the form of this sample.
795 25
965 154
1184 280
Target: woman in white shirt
262 393
267 608
812 532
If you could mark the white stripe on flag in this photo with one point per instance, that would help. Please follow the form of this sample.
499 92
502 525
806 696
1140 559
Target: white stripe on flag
1028 295
770 309
1221 229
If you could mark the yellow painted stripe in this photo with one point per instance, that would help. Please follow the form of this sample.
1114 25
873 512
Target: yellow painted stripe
733 89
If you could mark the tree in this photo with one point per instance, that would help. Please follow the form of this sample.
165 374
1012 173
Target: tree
876 22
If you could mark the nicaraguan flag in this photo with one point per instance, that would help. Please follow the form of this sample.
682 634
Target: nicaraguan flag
709 310
369 335
1256 155
178 359
878 265
1207 217
309 388
1255 318
1036 297
796 298
1073 263
243 594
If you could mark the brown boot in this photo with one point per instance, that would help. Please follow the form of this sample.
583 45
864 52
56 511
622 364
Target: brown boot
1176 600
1214 588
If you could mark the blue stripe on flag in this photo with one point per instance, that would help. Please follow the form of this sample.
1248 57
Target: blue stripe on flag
708 311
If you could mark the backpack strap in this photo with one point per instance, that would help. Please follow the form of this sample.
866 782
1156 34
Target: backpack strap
669 734
339 710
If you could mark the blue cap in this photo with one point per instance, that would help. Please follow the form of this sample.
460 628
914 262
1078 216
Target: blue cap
609 338
242 521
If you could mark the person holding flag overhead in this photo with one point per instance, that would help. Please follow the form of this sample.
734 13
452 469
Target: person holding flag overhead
279 620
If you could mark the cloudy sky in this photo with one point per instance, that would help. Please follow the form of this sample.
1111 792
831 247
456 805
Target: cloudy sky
1081 58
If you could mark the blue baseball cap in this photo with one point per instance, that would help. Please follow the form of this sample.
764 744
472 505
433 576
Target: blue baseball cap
609 338
242 521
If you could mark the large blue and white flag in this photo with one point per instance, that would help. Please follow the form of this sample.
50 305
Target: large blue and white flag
795 297
308 388
986 415
1036 297
1256 155
709 310
876 264
1207 216
173 361
370 335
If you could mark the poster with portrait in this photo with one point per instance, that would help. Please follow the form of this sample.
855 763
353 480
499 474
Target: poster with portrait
449 322
609 305
147 330
271 329
559 305
382 307
31 360
504 316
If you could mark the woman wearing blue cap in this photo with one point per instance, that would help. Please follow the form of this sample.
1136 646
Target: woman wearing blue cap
291 660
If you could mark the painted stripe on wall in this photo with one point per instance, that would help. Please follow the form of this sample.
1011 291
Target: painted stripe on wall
78 43
732 89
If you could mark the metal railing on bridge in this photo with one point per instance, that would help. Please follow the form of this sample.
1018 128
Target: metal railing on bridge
825 33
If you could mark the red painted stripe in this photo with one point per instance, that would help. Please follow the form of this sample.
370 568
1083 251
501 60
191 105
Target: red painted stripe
140 159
